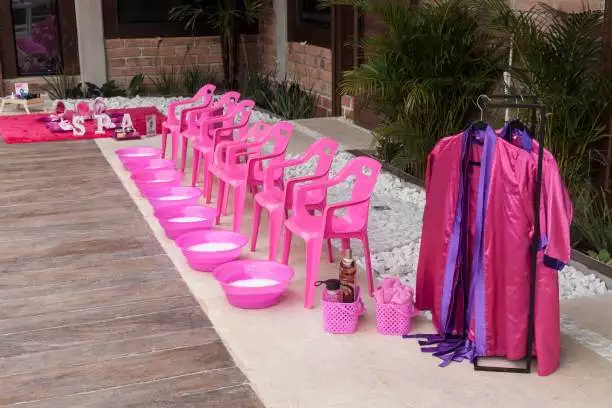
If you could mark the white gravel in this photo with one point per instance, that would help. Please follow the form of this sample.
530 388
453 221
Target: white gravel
395 218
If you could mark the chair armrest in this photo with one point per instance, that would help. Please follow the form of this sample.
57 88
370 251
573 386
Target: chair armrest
330 209
189 117
252 161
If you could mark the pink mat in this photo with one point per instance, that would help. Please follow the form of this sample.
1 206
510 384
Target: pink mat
31 129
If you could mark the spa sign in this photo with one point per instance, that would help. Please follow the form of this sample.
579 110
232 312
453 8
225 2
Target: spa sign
103 122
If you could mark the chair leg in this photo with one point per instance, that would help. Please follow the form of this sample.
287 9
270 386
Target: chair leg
209 184
313 259
184 144
220 194
276 228
255 229
368 262
286 245
226 201
239 198
176 138
164 144
330 254
196 167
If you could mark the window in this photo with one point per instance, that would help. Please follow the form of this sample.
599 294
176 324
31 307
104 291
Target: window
310 11
37 39
149 18
308 21
147 11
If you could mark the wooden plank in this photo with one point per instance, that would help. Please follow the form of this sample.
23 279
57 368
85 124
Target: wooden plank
92 311
46 174
48 196
114 373
92 353
63 212
90 314
74 250
96 298
210 386
74 278
107 221
98 332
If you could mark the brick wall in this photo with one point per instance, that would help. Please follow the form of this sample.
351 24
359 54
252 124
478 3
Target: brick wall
128 57
311 67
267 39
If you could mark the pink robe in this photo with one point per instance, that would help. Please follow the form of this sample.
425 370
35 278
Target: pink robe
495 248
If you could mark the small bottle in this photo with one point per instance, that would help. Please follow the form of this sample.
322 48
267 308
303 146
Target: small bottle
348 271
332 290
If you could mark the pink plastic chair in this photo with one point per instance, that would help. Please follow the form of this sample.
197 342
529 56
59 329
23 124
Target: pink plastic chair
250 174
175 125
313 229
278 199
194 126
236 118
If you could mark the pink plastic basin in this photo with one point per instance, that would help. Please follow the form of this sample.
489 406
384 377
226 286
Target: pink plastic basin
151 180
149 164
207 249
131 155
168 197
177 221
250 284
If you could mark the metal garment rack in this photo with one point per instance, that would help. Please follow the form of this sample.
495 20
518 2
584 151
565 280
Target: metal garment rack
539 130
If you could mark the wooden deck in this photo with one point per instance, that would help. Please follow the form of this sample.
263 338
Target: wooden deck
92 312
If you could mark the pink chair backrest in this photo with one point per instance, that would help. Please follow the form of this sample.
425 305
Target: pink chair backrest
205 94
256 132
203 98
280 135
366 171
324 150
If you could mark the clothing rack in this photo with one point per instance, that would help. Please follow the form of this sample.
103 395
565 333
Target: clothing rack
538 130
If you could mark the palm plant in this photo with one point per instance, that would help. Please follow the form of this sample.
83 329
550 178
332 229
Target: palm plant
423 74
226 17
559 59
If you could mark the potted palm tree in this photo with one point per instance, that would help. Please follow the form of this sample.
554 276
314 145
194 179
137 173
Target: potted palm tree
226 17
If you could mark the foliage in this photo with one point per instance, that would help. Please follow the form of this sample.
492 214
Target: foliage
289 100
558 58
168 81
423 74
60 86
110 89
226 17
258 87
135 86
194 77
285 98
593 222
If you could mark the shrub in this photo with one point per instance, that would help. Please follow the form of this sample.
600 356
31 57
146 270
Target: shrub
194 77
423 74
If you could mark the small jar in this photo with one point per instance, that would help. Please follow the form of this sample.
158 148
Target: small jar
332 290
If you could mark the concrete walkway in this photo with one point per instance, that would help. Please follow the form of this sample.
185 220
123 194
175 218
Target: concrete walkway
292 363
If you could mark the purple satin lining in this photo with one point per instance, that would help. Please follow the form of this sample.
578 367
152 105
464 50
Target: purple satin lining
449 348
477 291
446 346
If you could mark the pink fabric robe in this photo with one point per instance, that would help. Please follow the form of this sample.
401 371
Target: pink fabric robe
496 248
